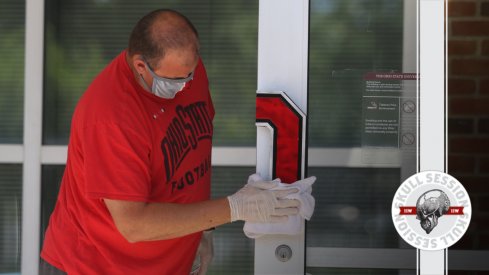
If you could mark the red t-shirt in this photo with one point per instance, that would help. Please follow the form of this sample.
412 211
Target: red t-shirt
128 144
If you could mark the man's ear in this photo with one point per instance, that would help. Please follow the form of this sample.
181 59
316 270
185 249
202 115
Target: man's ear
138 63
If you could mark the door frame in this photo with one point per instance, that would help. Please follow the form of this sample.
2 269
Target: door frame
284 32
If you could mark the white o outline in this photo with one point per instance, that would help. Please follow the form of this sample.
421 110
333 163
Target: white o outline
408 192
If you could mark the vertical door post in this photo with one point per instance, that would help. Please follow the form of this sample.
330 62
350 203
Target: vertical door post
33 100
431 111
282 66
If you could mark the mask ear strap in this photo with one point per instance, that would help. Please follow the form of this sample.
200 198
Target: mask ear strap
146 86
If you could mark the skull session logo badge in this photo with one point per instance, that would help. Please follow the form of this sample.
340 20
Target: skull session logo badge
431 210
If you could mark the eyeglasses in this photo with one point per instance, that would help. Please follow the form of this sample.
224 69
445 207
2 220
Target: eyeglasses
170 80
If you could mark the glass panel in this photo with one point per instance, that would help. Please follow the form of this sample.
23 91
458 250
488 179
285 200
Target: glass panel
12 30
353 208
357 91
233 251
10 217
51 176
348 38
77 48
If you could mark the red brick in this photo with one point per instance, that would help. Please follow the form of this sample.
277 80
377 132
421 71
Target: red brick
461 164
461 47
472 67
479 145
460 125
483 126
474 184
485 47
485 8
484 204
461 106
468 241
468 106
461 86
459 8
484 241
465 243
480 220
470 28
484 86
484 167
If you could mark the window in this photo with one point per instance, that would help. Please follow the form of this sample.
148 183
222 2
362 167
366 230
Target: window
12 30
82 37
12 26
347 40
10 217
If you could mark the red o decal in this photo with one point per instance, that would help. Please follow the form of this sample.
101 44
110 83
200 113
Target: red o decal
288 123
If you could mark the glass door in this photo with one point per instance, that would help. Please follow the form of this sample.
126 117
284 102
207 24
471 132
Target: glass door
362 133
365 127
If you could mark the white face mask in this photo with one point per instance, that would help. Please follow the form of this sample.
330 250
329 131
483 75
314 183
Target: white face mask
167 87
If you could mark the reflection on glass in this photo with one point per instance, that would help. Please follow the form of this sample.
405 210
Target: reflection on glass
348 35
353 208
51 176
12 30
10 217
77 48
352 107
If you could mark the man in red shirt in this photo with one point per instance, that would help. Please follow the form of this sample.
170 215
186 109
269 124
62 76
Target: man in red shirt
135 195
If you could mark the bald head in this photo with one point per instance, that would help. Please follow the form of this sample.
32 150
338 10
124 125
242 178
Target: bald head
163 31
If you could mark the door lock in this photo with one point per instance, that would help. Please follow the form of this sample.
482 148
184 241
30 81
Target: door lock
283 253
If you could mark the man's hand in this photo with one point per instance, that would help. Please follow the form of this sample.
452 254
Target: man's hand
256 202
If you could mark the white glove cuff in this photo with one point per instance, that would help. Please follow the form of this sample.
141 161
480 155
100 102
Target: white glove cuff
233 207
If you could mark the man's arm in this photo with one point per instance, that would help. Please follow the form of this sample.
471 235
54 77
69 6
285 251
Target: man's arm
255 202
140 221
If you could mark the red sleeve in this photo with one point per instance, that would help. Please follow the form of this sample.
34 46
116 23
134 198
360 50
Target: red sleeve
116 163
212 111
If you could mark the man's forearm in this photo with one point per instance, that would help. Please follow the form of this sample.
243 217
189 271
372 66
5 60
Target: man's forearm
139 221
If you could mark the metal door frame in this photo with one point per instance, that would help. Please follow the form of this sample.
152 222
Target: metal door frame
282 66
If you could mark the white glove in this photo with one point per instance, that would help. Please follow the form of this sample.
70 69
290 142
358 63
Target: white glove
256 202
205 253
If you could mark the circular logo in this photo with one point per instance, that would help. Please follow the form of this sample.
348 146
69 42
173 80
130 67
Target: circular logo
431 210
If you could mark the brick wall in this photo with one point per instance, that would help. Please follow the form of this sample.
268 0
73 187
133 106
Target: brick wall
468 111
